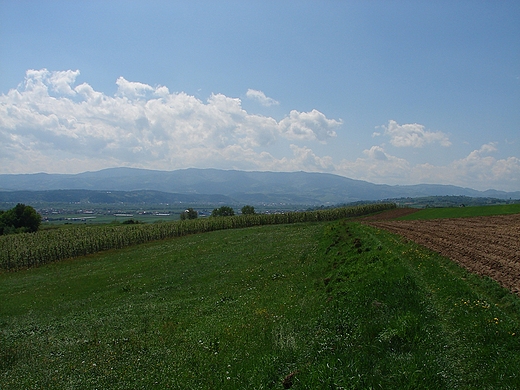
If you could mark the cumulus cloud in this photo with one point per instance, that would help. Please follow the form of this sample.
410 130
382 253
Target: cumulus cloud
260 97
132 89
413 135
481 167
376 153
40 81
306 158
61 81
140 125
376 166
308 126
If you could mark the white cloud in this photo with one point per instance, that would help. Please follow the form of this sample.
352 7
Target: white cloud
376 153
377 166
48 124
308 126
480 169
488 148
132 90
39 81
61 81
412 135
305 158
260 97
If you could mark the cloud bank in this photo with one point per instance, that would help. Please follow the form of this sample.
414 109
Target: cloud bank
50 124
141 125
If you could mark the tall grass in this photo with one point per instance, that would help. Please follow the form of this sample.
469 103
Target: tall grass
34 249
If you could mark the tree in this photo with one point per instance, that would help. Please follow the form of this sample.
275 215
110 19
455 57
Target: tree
189 214
19 219
248 210
224 211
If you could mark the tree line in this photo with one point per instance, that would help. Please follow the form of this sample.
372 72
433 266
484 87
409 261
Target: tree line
223 211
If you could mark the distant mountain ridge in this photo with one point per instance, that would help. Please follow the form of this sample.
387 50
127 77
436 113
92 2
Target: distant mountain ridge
238 186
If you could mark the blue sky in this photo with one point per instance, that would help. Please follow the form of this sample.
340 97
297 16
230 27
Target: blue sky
394 92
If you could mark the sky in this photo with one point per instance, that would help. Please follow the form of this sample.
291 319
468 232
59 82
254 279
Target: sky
391 92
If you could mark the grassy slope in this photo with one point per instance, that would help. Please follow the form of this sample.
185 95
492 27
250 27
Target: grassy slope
458 212
337 305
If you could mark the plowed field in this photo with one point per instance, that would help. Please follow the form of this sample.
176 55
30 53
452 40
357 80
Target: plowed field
484 245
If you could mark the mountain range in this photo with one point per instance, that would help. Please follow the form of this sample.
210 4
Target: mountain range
221 186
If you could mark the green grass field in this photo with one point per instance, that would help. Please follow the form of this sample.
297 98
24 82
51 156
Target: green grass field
459 212
324 305
78 219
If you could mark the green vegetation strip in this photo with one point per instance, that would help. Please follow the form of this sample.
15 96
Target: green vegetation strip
34 249
303 306
460 212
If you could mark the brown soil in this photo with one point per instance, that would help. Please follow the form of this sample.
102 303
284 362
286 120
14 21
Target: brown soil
484 245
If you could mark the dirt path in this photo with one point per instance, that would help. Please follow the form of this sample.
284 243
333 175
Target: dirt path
484 245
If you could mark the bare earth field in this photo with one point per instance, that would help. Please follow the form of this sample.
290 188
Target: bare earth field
487 246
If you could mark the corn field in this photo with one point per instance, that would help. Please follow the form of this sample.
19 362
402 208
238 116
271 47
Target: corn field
25 250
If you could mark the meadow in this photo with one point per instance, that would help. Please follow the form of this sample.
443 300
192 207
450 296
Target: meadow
311 305
461 212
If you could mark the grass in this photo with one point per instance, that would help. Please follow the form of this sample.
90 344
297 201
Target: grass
458 212
417 316
304 306
96 219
